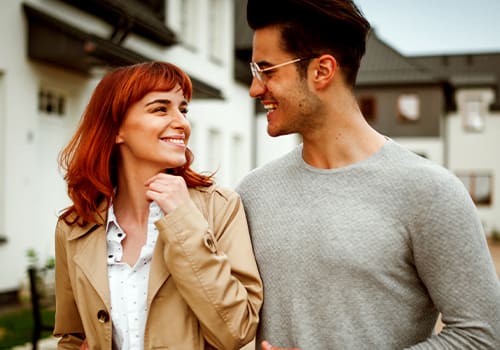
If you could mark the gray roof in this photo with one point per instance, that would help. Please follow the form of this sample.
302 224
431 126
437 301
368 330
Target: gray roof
466 70
383 65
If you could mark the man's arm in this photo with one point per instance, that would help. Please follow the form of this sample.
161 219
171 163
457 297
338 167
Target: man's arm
453 260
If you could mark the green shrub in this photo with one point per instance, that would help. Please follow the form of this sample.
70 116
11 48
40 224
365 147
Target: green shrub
16 327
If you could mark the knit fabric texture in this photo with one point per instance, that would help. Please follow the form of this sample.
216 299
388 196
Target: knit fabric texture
366 256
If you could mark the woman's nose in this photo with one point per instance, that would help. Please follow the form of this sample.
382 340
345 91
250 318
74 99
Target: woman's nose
181 120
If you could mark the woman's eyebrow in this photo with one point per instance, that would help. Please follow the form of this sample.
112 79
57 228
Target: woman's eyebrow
163 101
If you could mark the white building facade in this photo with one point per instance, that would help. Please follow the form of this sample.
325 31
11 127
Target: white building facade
41 103
40 106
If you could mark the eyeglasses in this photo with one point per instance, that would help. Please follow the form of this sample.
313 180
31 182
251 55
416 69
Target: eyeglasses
257 71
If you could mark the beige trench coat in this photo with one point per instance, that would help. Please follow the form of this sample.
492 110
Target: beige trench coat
204 288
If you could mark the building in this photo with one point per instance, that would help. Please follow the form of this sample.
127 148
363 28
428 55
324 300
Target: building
53 54
445 108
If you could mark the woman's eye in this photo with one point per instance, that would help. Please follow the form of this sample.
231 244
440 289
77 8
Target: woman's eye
184 111
160 109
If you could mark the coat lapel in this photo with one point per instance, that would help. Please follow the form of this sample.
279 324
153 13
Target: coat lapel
91 258
158 274
91 253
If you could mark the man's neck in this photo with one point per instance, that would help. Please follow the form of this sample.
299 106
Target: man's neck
347 141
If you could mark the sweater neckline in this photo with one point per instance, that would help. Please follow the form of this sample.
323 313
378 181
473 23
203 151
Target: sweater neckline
375 157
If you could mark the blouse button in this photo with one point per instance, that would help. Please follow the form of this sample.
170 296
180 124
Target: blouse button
102 316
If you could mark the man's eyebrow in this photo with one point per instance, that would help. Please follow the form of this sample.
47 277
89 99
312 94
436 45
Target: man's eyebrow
264 63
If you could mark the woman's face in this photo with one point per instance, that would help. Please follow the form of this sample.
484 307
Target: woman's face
155 131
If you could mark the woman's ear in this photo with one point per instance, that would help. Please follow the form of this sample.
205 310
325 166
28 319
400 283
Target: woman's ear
325 70
119 138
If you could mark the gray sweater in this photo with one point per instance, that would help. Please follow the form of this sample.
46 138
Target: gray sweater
366 256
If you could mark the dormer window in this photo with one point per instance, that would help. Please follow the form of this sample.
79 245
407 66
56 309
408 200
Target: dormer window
408 106
473 106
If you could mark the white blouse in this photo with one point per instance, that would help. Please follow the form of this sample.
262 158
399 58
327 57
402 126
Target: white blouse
129 285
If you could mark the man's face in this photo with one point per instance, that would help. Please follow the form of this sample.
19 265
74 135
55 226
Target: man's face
283 93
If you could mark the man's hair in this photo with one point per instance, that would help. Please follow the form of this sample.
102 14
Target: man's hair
315 27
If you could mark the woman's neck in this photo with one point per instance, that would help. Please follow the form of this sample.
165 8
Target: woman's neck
130 202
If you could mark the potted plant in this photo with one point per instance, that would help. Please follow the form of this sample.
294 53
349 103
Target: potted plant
44 279
495 236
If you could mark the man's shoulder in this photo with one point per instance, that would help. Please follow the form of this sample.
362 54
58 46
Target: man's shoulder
418 172
269 170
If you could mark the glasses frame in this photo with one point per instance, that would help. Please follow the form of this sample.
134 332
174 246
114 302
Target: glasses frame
257 71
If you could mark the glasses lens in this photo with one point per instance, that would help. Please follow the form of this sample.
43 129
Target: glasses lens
255 71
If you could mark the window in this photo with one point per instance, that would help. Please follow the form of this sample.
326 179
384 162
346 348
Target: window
189 21
214 149
51 102
479 186
217 30
473 107
237 158
473 118
368 106
3 237
408 107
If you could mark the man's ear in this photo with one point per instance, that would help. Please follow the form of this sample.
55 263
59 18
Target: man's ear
325 69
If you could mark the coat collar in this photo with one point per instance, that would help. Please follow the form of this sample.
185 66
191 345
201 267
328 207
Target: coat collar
99 220
91 257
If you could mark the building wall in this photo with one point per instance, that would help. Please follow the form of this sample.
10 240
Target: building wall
32 190
473 153
387 117
269 148
428 147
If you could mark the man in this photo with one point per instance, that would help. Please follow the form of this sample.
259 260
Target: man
360 243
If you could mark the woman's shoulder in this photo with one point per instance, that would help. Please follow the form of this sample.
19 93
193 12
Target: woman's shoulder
214 197
69 227
214 193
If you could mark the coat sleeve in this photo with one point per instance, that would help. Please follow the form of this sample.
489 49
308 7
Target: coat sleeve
214 268
68 326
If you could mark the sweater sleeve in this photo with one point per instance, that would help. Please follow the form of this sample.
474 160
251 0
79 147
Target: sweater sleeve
453 261
214 269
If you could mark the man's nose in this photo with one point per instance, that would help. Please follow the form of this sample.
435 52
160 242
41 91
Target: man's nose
257 88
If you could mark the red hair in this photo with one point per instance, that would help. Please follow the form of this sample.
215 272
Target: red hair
90 158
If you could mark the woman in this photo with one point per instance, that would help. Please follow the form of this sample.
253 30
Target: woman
150 255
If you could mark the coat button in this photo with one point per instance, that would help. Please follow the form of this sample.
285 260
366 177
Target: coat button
209 243
102 316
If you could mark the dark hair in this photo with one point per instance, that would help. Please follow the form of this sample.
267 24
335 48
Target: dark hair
90 158
315 27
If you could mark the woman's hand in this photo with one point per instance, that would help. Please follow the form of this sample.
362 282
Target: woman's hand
85 345
266 346
168 191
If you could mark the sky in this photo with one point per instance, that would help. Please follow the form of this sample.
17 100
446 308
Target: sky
420 27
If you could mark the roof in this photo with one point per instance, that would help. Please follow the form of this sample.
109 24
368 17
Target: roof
133 16
465 70
384 65
56 42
